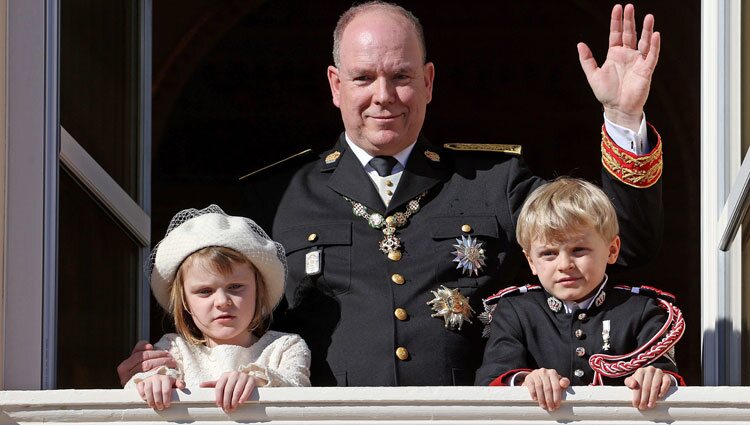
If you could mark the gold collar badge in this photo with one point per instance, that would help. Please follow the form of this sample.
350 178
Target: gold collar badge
432 156
452 306
332 157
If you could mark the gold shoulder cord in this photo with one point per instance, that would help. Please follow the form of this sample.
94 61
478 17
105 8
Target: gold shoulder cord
481 147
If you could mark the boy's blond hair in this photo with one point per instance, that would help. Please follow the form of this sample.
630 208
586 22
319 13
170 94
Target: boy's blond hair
218 259
563 207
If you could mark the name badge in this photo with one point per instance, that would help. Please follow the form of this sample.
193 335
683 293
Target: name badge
314 262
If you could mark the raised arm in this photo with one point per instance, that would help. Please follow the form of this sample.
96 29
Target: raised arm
623 81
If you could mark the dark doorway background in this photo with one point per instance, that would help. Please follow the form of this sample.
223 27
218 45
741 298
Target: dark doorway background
239 84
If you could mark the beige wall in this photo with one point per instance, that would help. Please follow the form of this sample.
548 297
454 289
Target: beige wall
3 134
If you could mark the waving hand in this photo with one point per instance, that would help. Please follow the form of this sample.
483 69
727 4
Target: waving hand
623 81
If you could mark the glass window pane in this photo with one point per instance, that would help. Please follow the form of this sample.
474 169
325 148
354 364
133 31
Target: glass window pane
99 83
97 275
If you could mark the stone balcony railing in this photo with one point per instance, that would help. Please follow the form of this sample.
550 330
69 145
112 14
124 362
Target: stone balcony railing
404 405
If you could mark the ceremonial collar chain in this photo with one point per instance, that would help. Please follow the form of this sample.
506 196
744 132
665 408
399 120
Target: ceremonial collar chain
391 244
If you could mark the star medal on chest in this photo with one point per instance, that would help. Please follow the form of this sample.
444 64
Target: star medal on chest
469 254
390 245
452 306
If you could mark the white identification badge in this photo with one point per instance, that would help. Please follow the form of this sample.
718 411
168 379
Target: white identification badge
313 262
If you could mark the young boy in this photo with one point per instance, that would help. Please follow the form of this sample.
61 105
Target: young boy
544 338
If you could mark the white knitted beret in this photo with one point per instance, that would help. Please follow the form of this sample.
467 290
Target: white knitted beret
192 230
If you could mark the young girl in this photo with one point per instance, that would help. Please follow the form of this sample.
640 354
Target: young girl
220 277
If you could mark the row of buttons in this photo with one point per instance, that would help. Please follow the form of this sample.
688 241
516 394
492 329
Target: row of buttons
580 351
401 314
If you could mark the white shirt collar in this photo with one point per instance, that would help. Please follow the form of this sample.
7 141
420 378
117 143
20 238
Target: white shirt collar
364 157
571 306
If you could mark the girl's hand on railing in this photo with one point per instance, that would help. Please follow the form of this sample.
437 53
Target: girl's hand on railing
232 389
156 391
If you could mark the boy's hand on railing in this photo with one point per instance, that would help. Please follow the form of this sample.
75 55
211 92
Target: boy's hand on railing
232 389
156 391
648 384
546 387
142 359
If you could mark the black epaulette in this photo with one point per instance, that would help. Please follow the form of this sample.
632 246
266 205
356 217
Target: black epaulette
649 291
490 303
482 147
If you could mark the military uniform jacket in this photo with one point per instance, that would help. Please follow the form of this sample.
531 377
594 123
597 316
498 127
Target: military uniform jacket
526 334
347 313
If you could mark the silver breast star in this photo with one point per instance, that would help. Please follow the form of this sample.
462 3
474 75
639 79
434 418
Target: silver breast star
469 255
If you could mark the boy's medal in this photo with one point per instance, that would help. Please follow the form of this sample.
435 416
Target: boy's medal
605 335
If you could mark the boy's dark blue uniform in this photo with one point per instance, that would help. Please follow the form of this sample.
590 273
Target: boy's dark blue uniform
365 316
527 334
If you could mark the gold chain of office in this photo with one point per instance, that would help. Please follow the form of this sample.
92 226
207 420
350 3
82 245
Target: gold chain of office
391 244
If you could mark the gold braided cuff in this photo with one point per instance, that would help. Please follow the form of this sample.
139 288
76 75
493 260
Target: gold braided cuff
640 171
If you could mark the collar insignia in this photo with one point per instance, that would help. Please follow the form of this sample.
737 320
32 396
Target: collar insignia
554 304
452 306
432 156
332 157
600 299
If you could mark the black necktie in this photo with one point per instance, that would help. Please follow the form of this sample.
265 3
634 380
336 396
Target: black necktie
383 165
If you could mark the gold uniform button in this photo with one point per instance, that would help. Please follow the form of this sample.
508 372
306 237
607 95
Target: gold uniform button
389 193
402 353
394 255
389 183
401 314
579 334
466 228
312 237
398 279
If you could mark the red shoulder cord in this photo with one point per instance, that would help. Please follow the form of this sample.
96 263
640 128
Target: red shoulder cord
616 367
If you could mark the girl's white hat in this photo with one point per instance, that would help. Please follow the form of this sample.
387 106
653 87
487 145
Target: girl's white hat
191 230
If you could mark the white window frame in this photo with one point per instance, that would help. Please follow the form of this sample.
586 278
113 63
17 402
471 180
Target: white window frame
28 137
721 192
34 153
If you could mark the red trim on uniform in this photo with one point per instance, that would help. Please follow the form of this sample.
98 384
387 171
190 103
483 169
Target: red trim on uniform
500 380
640 171
650 291
677 376
511 289
659 291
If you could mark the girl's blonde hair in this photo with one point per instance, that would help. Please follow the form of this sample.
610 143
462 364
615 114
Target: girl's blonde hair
218 259
563 207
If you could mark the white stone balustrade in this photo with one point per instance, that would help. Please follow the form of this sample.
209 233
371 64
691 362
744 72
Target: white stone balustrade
380 405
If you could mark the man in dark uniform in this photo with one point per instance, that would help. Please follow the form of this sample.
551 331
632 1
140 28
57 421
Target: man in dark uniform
358 289
376 225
